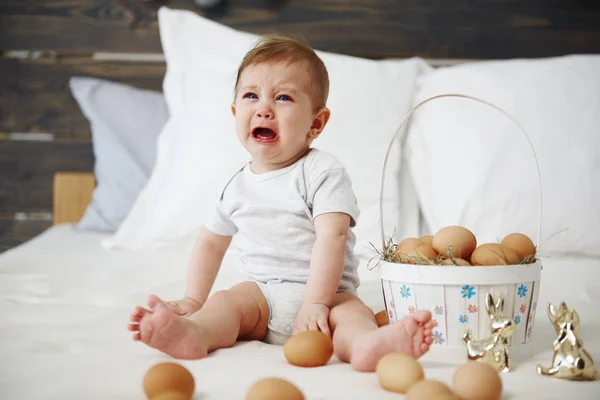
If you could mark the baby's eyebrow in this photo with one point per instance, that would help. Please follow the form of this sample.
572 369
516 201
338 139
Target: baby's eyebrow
288 89
296 92
252 87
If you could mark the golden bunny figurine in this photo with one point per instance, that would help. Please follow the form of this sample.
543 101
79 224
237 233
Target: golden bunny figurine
493 349
571 360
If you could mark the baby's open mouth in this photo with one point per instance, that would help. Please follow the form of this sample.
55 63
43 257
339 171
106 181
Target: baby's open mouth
265 135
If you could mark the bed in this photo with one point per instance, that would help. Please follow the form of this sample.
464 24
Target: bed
66 302
125 207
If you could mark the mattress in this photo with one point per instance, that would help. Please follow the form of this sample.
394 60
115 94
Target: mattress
65 303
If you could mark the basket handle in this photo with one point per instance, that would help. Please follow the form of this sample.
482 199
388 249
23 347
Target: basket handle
408 116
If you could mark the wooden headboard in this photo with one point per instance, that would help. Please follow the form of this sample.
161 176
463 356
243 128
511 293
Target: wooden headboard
44 43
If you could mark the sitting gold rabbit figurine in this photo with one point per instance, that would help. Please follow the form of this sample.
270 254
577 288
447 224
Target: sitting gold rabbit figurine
571 360
493 349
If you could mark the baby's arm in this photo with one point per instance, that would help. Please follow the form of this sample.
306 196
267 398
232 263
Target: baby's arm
327 259
207 256
205 262
326 268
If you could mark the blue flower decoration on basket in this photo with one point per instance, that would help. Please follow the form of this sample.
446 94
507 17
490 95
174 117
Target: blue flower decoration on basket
463 319
438 337
405 291
468 291
517 319
522 291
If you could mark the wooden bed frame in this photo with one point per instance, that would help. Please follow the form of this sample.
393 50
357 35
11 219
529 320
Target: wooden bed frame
72 194
43 132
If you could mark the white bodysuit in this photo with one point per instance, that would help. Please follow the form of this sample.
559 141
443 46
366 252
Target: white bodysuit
271 215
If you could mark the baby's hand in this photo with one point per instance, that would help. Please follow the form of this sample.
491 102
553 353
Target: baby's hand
184 307
313 317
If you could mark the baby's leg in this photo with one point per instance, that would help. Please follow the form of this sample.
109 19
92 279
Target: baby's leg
356 338
239 313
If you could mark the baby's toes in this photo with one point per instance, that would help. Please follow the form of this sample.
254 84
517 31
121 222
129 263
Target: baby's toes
428 339
422 346
422 317
153 301
133 327
427 332
137 314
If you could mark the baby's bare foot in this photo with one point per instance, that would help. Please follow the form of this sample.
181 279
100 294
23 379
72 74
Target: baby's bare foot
411 335
163 330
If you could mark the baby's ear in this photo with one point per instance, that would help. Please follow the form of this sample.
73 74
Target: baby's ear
233 109
319 121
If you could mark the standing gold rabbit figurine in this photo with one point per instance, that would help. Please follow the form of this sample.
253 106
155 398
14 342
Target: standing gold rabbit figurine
493 349
571 360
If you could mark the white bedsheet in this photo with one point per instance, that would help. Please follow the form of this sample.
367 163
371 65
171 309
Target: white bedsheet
65 302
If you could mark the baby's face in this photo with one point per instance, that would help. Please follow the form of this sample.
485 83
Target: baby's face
274 114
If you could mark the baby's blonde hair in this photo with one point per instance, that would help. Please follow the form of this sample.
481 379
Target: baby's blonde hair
275 48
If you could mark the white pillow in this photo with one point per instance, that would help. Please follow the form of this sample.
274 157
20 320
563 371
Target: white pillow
471 166
125 122
198 150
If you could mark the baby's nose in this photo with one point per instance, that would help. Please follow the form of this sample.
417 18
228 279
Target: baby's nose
265 113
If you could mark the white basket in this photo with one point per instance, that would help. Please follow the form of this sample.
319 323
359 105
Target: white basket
456 296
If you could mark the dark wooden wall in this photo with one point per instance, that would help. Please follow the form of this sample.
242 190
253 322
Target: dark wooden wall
368 28
34 94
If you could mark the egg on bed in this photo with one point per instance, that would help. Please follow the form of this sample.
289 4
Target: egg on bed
171 395
429 389
477 380
308 349
382 318
166 377
273 388
398 372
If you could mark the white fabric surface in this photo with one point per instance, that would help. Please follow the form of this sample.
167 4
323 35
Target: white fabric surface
198 149
125 122
65 302
473 167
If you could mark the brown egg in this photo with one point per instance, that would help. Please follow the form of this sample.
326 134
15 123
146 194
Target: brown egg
308 349
168 377
382 318
426 251
407 246
477 380
428 389
447 396
493 254
273 389
459 261
461 239
397 372
520 244
426 240
170 395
